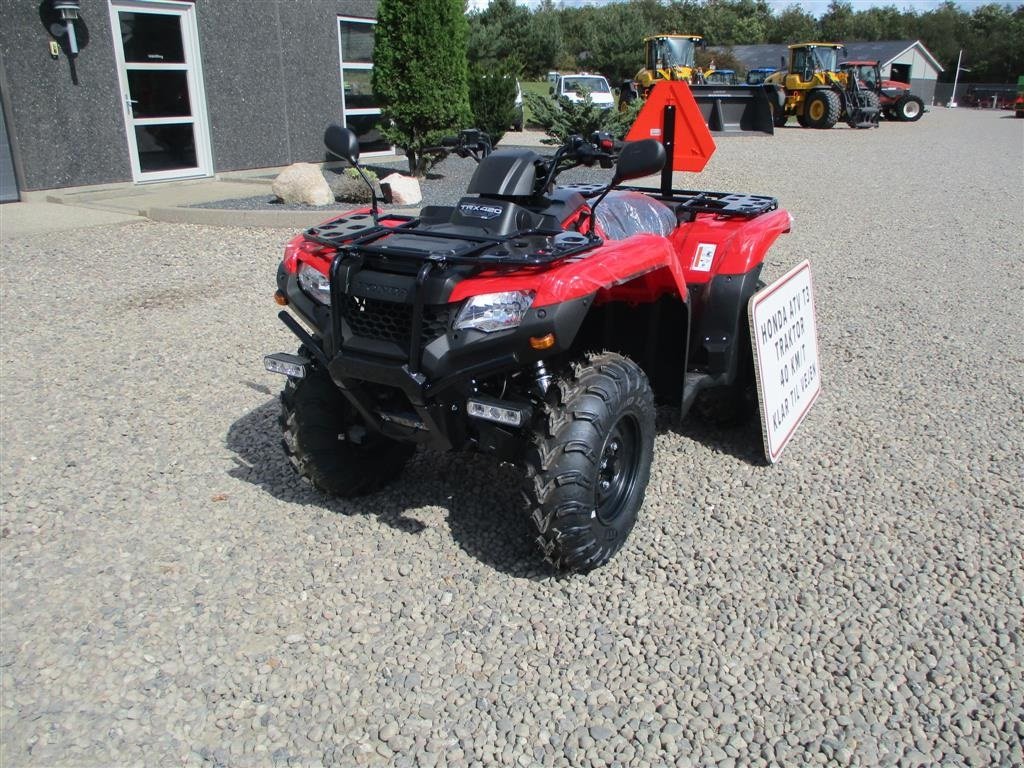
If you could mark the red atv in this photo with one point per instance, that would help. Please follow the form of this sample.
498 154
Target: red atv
894 97
535 322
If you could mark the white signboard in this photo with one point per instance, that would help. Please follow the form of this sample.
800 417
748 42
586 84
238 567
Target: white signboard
784 337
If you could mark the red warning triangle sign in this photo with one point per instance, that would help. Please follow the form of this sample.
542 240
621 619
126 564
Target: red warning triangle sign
693 143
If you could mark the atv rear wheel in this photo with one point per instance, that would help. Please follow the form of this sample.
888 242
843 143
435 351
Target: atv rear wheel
328 444
909 108
821 109
588 468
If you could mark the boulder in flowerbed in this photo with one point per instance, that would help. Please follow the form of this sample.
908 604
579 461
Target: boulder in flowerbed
303 183
405 190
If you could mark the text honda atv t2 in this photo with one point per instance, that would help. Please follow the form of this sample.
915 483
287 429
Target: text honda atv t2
535 322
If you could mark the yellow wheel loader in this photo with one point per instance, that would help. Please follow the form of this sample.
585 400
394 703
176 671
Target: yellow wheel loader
817 93
727 109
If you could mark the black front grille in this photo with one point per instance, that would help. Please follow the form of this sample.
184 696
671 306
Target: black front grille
389 321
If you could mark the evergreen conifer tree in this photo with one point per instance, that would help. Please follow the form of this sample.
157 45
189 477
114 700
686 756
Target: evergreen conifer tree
419 73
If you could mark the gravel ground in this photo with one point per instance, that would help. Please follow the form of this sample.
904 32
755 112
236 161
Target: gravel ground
172 594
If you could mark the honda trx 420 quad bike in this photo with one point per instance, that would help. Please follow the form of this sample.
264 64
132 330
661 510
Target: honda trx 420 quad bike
535 322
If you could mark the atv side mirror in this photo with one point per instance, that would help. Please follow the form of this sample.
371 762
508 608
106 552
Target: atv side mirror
342 142
639 158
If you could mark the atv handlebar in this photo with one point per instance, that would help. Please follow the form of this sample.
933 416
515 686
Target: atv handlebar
470 142
601 149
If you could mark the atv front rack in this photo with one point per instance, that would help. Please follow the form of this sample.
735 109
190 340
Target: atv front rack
530 248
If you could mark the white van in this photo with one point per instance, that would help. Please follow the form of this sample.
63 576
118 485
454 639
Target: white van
569 87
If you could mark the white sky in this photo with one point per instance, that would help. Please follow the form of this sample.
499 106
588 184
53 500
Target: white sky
814 7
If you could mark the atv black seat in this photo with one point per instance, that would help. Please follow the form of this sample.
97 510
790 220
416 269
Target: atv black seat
624 213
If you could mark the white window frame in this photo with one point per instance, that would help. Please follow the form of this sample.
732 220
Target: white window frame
366 67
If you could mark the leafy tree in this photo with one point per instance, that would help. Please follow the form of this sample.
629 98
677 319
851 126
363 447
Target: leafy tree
419 73
492 96
497 33
542 42
735 22
944 31
792 25
836 24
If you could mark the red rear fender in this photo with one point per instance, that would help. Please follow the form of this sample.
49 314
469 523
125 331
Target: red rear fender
713 246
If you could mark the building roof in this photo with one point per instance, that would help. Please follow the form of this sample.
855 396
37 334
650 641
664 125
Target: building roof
883 51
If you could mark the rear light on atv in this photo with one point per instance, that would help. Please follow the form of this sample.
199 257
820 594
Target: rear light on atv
315 284
280 299
490 312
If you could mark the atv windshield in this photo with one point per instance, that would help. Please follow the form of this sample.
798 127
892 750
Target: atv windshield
671 52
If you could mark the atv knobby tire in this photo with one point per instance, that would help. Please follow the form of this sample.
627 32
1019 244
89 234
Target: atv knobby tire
822 109
909 108
328 444
588 469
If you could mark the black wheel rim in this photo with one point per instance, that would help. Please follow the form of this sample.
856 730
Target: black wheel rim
617 469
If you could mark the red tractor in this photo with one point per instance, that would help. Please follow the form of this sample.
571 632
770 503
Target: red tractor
895 98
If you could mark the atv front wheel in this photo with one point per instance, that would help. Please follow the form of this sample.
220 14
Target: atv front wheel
588 469
328 444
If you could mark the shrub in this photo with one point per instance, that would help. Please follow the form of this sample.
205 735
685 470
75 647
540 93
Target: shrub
563 119
492 96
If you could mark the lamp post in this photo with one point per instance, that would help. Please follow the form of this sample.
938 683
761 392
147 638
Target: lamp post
956 78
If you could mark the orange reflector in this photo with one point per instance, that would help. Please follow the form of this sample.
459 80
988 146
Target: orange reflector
543 342
280 298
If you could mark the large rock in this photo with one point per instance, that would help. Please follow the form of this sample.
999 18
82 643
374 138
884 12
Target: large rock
405 190
303 183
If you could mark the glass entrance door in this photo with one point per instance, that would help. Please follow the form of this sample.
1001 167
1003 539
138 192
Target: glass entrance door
165 113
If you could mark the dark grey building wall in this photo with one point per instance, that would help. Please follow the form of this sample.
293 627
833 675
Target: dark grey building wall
66 134
924 88
272 77
270 71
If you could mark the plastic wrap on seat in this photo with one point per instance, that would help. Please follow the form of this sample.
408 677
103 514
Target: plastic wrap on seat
623 214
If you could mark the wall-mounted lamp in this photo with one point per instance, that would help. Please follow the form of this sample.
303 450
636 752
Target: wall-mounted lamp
68 11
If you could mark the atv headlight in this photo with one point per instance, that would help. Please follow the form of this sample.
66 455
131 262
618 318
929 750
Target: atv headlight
315 284
491 312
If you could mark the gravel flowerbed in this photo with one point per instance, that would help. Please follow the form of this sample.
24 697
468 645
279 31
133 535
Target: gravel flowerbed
173 594
445 184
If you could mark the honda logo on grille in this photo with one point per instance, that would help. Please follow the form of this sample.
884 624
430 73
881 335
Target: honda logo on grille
382 290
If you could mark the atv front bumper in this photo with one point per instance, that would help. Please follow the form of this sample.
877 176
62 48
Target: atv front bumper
424 400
